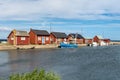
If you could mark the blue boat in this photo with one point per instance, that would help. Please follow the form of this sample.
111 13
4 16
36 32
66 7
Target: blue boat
66 45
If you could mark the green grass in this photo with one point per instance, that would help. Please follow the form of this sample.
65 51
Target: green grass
35 75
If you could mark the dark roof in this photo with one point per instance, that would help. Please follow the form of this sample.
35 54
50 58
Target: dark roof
21 33
76 35
59 34
41 32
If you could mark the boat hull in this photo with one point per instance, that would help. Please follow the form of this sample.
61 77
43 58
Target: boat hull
63 45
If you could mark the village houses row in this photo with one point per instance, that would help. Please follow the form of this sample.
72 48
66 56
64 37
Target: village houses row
17 37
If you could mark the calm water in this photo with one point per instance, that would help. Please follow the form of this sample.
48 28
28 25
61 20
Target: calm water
87 63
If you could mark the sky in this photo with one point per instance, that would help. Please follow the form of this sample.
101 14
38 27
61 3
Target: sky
86 17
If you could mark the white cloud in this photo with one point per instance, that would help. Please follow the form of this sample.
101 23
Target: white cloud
37 9
5 28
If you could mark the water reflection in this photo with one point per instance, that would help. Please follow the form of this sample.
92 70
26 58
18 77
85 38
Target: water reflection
88 63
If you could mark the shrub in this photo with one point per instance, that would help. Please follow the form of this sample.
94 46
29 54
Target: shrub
35 75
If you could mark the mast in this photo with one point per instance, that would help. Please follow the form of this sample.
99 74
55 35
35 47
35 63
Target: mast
75 38
50 27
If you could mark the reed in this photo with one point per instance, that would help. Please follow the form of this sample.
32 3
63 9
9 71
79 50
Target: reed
35 75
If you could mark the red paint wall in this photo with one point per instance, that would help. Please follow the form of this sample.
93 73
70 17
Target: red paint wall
53 38
9 38
18 40
107 40
95 39
32 37
69 38
22 42
78 41
45 38
56 40
88 41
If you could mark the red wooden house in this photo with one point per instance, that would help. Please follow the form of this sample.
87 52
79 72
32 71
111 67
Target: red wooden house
57 37
88 41
75 38
17 37
97 39
106 41
39 37
101 41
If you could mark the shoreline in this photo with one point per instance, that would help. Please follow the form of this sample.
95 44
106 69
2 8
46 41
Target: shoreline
4 47
114 43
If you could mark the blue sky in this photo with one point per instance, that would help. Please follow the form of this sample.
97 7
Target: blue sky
87 17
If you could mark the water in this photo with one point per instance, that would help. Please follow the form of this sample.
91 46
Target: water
87 63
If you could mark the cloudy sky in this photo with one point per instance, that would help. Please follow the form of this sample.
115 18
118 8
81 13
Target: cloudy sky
87 17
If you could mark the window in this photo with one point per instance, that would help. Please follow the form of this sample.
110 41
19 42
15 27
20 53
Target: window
47 38
65 39
22 38
12 38
39 38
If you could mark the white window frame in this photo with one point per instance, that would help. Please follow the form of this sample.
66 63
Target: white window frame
23 38
47 38
12 38
39 38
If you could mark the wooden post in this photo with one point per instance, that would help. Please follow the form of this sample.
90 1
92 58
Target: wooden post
14 33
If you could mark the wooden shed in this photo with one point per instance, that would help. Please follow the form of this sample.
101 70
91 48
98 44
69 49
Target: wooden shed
97 39
101 41
88 40
107 41
58 37
75 38
17 37
39 37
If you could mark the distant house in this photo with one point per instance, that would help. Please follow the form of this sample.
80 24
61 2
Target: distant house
88 40
97 39
57 37
17 37
101 41
107 41
39 37
75 38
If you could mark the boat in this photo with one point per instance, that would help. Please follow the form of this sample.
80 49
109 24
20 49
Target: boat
94 44
67 45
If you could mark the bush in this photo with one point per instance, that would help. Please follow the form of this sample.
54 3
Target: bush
35 75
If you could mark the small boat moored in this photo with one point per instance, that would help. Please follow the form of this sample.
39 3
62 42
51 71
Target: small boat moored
67 45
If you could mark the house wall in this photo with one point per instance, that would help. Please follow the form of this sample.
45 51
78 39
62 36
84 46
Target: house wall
9 38
43 39
96 39
88 41
33 38
17 40
69 38
55 40
78 41
22 42
106 40
59 40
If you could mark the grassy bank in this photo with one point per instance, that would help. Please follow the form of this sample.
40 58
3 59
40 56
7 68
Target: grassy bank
35 75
